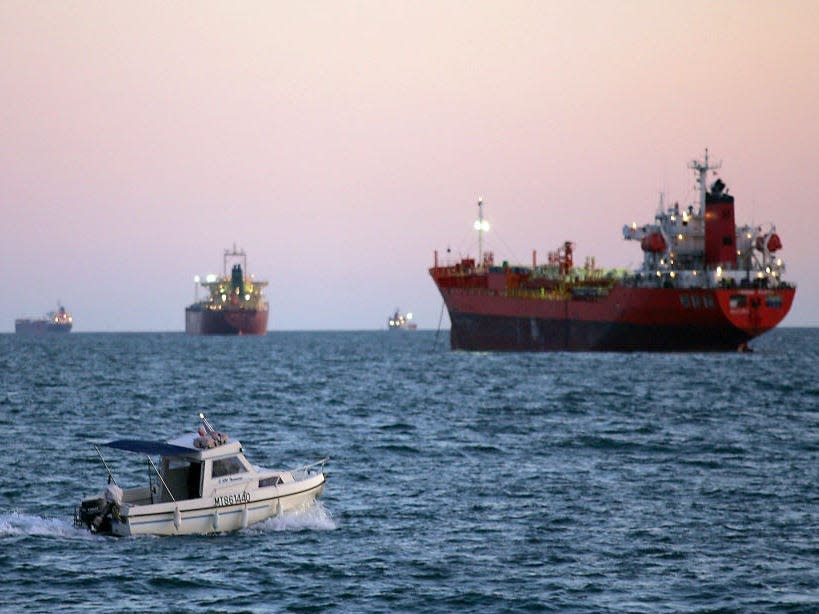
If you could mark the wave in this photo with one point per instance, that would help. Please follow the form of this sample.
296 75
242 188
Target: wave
15 523
312 517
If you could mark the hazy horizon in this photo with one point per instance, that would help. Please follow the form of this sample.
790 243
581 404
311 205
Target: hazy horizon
340 144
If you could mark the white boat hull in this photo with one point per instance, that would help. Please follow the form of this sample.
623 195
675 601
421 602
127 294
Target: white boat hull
231 511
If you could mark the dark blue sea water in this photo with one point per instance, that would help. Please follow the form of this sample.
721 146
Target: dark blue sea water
457 481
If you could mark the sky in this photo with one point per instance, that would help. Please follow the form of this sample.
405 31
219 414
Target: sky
340 143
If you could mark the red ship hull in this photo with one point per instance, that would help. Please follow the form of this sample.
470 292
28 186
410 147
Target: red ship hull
626 319
199 321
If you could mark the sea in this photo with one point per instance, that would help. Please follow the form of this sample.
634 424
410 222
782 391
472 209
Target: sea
457 481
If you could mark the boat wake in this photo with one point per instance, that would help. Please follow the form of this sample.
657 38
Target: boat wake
14 524
311 517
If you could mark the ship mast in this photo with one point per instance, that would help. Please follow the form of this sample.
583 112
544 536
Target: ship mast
234 254
482 226
702 168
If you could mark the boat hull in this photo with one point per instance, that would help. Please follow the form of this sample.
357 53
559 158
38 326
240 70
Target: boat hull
627 319
217 515
39 327
199 321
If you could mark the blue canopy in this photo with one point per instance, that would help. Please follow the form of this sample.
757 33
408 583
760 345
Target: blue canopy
149 447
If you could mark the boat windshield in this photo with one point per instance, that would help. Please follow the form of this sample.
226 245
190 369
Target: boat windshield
227 466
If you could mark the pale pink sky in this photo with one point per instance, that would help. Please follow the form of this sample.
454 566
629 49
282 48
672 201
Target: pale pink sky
340 143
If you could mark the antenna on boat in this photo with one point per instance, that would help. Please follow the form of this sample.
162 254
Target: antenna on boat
208 426
107 468
702 168
482 226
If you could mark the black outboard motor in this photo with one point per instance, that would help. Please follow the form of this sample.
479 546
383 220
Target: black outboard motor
97 513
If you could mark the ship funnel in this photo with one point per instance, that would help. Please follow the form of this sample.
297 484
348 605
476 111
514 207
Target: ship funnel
720 231
236 279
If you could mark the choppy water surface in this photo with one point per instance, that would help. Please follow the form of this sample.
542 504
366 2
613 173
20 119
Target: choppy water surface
457 481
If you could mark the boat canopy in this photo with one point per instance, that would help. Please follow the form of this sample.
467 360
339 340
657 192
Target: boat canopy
149 447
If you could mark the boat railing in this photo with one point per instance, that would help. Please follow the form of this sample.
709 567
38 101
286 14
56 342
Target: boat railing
306 471
161 479
299 473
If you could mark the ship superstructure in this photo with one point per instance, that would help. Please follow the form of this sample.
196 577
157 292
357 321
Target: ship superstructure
235 304
703 247
704 284
401 321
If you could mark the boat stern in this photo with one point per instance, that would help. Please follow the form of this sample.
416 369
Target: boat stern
755 310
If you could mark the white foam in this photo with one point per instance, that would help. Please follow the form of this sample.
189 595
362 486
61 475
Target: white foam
312 517
14 523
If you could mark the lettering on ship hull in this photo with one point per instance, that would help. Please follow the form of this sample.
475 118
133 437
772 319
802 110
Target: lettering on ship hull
237 499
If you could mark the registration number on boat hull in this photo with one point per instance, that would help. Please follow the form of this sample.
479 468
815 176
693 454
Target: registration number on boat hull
239 498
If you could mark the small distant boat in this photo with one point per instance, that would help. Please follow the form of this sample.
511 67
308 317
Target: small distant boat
204 484
59 321
235 304
400 321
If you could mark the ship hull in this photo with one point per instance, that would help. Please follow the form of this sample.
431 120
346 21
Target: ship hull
39 327
492 333
225 322
628 319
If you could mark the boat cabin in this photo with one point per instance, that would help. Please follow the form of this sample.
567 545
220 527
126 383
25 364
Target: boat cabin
200 473
188 472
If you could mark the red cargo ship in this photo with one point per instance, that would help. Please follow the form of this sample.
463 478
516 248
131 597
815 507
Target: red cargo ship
235 303
705 285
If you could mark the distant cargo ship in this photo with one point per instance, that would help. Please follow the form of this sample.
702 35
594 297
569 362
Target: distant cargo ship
399 321
59 321
705 285
235 304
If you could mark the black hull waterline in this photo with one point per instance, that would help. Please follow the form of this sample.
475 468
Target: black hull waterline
522 334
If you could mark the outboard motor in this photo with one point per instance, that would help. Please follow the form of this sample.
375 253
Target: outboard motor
97 513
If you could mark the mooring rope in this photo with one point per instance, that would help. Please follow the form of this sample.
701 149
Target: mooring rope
440 319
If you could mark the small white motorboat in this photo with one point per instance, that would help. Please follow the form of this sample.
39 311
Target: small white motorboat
204 484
